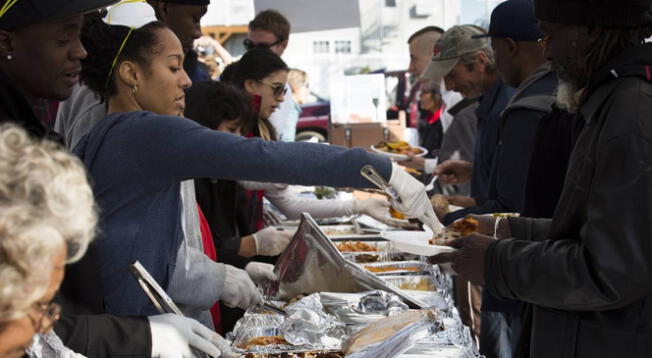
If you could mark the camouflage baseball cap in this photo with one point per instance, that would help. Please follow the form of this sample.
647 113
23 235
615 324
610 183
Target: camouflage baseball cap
453 44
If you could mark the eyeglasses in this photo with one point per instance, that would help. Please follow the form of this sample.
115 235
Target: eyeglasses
544 41
49 314
279 89
250 45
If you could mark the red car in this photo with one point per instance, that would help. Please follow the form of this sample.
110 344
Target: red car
315 117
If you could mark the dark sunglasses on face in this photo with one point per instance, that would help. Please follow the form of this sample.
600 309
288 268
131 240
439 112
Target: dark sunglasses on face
250 45
279 89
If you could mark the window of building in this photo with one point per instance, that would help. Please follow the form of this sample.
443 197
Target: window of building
390 3
320 46
342 46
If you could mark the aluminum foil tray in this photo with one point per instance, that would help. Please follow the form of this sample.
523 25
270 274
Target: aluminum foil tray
398 268
298 354
311 263
401 256
438 351
422 288
366 257
381 245
241 342
412 283
257 321
356 310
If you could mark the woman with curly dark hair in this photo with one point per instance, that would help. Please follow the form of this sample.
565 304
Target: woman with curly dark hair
139 154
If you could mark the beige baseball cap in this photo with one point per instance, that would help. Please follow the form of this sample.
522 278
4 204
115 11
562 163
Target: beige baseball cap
457 41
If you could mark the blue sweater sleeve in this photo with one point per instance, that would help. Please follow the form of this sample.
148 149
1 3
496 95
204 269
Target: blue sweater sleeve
176 149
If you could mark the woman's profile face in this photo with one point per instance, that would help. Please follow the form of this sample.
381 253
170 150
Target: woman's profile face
16 335
162 82
429 103
272 91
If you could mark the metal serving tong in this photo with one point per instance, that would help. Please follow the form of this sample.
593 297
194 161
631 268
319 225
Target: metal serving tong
372 175
429 219
274 308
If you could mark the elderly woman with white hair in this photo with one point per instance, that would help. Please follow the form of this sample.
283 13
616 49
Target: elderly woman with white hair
47 219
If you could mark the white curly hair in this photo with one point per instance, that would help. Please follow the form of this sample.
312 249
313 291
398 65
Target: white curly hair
45 203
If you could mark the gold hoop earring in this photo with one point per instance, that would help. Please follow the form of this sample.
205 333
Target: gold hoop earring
134 90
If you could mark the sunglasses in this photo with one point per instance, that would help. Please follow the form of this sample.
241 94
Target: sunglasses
279 89
250 45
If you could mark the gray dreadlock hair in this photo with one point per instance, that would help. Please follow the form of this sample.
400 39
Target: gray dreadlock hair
610 42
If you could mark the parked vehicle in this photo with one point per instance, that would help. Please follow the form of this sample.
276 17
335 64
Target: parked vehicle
315 117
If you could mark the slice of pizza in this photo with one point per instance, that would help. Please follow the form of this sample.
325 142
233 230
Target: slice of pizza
458 229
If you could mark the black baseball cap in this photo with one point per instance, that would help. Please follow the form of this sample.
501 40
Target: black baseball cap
23 13
514 19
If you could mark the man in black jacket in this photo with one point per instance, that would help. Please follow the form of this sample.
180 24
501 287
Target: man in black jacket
588 270
40 55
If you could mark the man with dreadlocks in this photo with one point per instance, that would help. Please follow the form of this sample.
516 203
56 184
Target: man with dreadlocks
588 271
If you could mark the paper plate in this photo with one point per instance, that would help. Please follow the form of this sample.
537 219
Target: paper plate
398 157
415 242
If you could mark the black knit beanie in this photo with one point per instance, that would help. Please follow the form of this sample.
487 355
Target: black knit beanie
189 2
602 13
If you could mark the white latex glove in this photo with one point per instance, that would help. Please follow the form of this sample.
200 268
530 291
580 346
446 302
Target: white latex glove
377 208
172 336
261 272
271 241
414 201
255 185
239 290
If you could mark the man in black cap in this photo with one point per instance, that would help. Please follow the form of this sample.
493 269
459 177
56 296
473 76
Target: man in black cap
521 64
588 270
40 53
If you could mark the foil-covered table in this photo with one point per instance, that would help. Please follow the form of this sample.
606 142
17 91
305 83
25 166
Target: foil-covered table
340 297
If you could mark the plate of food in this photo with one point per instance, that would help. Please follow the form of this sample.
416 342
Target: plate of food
398 150
415 242
459 228
426 244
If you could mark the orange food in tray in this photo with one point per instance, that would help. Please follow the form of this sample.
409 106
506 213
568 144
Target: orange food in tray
355 246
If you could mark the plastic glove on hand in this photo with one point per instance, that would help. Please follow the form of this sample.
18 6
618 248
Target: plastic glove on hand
172 336
271 241
239 289
261 272
414 202
378 209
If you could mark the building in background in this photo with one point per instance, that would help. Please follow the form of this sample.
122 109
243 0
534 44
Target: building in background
336 37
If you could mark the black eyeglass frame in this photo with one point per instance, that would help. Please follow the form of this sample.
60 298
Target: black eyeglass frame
250 45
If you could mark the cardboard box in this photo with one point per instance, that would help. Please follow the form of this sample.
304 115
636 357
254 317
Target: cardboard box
365 135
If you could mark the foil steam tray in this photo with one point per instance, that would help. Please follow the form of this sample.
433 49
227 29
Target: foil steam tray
380 244
366 257
257 321
241 342
423 288
298 354
311 263
356 310
398 268
439 351
402 340
424 283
